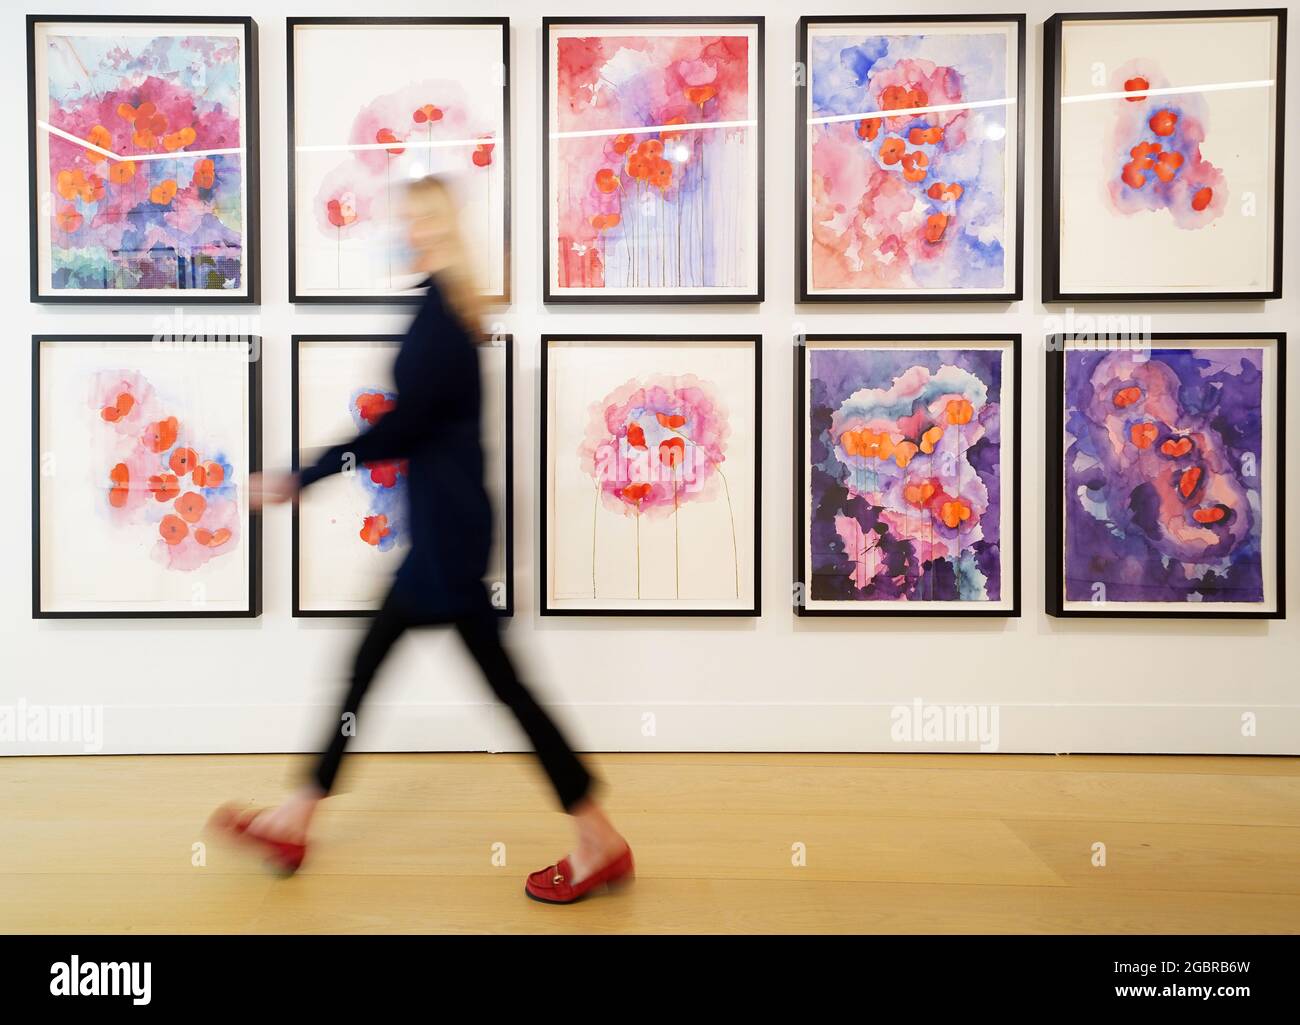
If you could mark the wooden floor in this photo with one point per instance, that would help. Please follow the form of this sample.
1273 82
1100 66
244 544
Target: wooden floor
894 843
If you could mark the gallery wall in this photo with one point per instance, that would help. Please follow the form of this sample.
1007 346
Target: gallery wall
776 682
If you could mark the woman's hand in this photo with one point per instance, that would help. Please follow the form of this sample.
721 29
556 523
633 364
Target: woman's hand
272 488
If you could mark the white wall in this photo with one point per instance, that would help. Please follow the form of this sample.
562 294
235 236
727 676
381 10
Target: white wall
770 683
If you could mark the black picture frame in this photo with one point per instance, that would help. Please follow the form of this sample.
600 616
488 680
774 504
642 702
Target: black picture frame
1054 478
551 298
398 299
544 606
507 498
251 157
254 608
800 477
1051 162
802 293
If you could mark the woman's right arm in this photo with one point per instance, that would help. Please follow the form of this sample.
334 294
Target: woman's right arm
396 435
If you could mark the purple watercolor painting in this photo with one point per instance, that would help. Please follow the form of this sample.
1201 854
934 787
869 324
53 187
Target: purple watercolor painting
904 469
1163 465
158 203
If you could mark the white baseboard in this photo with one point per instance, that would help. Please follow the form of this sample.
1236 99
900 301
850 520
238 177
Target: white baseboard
1043 728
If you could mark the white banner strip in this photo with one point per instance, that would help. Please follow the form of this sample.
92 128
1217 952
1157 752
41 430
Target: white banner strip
868 115
490 140
694 126
1172 90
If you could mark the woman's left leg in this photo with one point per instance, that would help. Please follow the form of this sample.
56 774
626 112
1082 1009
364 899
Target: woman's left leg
569 777
598 842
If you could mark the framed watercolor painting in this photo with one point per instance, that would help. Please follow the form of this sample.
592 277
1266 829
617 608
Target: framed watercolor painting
140 463
373 103
350 530
910 158
143 159
652 181
1165 483
1162 143
907 497
650 456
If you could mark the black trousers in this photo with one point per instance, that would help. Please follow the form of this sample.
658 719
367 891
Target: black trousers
482 636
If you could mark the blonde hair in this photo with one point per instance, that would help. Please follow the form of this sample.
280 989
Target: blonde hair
430 197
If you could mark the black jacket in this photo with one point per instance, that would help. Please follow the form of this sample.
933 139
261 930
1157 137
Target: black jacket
435 426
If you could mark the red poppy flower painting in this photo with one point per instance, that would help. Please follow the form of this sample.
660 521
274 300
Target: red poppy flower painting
1166 180
421 98
354 528
142 510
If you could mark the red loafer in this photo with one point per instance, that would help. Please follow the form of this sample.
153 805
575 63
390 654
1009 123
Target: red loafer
285 858
551 885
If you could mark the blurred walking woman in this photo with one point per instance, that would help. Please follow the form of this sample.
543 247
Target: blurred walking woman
435 427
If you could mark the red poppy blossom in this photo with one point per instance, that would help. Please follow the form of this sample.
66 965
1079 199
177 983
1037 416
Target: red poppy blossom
1163 122
209 475
606 180
121 406
700 94
935 226
374 529
68 219
1133 85
373 405
1125 397
191 506
160 435
892 149
387 135
120 475
173 529
918 494
385 474
183 460
672 452
1143 435
1189 480
205 173
164 487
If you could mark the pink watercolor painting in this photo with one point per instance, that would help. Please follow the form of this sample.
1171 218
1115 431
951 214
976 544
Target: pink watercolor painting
654 446
1155 161
918 199
646 196
359 197
166 209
